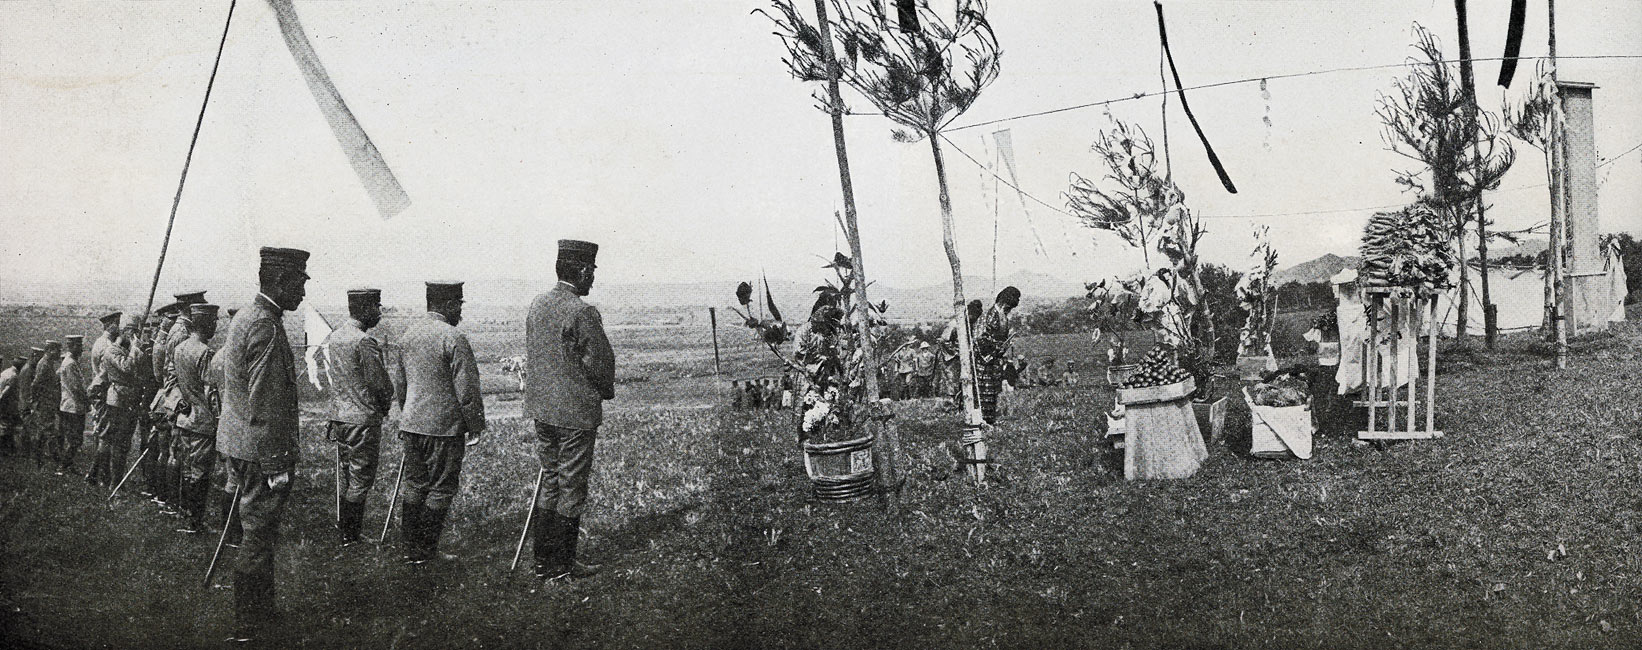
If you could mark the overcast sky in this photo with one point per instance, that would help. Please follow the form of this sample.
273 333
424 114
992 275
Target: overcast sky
670 133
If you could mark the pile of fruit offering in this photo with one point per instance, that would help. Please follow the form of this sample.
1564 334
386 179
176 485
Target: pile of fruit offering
1157 369
1283 390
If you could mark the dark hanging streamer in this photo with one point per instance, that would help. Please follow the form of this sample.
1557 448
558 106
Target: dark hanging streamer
1513 42
1180 88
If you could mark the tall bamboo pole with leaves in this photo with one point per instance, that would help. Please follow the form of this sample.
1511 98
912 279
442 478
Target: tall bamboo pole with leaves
812 57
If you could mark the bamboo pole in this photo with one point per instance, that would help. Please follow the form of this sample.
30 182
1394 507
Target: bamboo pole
712 315
888 448
1559 315
165 244
966 363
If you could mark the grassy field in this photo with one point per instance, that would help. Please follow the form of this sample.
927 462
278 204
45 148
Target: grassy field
1516 530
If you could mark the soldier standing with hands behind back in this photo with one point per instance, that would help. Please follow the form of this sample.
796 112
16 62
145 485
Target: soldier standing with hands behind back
258 429
441 413
360 395
195 433
571 371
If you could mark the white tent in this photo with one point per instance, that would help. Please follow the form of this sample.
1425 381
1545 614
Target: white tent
1519 294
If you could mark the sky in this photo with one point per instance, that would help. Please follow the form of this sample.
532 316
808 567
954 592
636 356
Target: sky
671 134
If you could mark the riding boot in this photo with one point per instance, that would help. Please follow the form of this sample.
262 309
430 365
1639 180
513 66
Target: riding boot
230 518
546 539
411 533
433 525
247 618
572 533
352 516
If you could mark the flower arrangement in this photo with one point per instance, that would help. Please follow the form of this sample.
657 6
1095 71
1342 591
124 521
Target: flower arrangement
828 354
1254 294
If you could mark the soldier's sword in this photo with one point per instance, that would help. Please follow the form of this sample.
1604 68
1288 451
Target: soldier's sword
339 486
394 500
221 541
117 486
534 496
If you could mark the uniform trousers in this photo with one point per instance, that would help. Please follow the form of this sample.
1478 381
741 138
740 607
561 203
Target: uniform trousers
566 456
44 431
71 429
260 506
114 428
359 448
195 453
433 469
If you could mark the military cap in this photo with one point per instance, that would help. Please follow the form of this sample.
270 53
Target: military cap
171 309
37 351
190 297
575 250
441 291
363 298
74 338
232 311
52 343
20 360
129 321
284 258
203 310
110 318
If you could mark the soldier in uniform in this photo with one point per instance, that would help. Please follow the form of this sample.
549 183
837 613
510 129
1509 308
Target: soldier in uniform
361 394
441 412
123 371
97 393
45 395
571 371
161 406
11 421
171 453
258 429
196 425
71 408
25 402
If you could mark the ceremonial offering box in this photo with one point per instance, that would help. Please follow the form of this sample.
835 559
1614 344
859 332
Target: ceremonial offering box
1155 394
1279 431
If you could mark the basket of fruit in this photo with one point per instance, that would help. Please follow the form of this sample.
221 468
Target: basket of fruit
1159 378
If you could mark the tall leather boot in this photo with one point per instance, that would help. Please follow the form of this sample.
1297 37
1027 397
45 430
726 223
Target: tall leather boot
411 533
193 503
572 533
247 620
547 536
433 525
353 516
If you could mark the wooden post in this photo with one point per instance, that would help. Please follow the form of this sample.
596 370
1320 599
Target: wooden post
1415 316
712 315
1396 353
1371 359
1559 314
1431 373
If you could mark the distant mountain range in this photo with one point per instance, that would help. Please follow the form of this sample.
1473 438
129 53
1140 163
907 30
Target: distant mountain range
1317 270
646 302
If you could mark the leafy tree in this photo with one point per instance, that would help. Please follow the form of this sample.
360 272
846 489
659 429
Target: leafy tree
922 69
1430 119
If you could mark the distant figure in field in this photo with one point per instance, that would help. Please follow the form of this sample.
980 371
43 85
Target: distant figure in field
443 412
992 350
47 394
361 394
25 401
906 363
1070 377
923 371
515 366
11 419
97 393
572 372
195 433
71 407
258 430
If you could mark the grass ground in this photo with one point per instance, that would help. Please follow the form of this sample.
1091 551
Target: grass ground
1516 530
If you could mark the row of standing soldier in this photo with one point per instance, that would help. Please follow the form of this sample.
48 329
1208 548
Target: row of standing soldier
190 407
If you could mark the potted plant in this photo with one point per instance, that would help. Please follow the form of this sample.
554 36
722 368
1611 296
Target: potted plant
1257 297
835 420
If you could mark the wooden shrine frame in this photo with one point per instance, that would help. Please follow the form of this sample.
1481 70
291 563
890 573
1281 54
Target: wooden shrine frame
1421 307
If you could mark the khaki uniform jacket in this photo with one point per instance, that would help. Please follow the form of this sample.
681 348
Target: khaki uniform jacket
99 380
25 385
71 380
164 351
259 390
123 371
190 363
570 369
47 391
440 380
8 391
360 389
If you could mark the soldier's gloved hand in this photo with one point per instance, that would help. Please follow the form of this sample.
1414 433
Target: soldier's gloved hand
279 480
